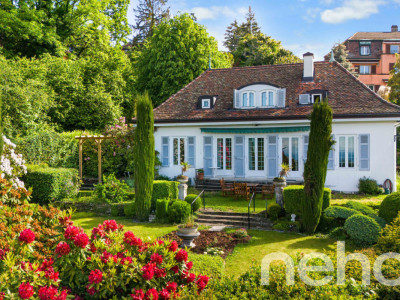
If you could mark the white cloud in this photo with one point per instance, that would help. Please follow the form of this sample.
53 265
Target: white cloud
311 14
213 12
351 10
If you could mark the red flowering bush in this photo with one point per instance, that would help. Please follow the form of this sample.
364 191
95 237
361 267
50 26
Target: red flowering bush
27 236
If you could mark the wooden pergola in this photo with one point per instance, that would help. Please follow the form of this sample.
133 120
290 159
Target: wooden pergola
98 139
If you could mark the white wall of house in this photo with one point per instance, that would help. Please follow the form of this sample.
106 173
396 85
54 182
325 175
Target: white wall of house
382 156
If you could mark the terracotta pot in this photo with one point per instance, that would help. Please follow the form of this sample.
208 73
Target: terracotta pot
200 176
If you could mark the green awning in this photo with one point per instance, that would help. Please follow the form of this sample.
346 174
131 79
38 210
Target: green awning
256 130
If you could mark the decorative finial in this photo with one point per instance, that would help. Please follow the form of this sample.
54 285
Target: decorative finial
332 59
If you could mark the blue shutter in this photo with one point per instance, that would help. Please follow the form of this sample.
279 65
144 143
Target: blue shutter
281 97
272 156
305 147
364 152
192 151
239 156
331 157
236 98
207 155
165 151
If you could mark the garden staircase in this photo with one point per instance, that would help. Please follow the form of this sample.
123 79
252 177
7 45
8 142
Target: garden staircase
231 219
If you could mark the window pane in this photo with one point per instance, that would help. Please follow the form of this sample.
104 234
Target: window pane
176 157
251 99
350 155
285 151
394 49
220 153
260 154
317 98
342 152
182 150
244 100
271 98
295 154
228 154
252 154
264 98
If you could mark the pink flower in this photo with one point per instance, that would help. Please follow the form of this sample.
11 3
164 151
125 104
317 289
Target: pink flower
25 290
27 236
201 282
62 296
172 286
110 225
159 272
105 257
98 232
96 276
137 295
81 240
164 294
189 265
191 277
175 269
62 249
181 256
71 232
131 239
47 293
173 247
152 294
156 258
90 291
148 271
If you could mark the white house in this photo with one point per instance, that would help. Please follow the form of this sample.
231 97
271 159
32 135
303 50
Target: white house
242 123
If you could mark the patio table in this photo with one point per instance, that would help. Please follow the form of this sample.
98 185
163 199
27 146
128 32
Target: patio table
253 187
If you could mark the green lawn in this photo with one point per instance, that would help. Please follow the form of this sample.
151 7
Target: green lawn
216 201
343 198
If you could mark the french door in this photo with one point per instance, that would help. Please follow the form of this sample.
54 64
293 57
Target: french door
290 155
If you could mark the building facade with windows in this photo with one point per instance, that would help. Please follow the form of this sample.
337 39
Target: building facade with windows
373 55
243 123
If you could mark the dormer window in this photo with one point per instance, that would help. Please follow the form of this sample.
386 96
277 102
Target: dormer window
316 98
259 95
206 103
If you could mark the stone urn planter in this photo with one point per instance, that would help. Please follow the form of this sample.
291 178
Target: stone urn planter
280 184
188 234
182 179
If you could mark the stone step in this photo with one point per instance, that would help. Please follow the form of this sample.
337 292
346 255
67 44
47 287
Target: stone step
234 223
228 219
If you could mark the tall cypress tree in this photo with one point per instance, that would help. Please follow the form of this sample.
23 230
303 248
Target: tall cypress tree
144 156
320 143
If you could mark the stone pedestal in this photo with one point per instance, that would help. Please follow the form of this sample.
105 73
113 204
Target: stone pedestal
279 186
182 191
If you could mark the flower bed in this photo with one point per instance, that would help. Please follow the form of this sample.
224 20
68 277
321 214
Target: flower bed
222 241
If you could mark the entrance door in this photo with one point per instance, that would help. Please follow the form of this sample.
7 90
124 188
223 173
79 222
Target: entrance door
290 155
239 156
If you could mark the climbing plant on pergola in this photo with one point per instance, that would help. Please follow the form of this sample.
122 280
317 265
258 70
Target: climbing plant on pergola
98 139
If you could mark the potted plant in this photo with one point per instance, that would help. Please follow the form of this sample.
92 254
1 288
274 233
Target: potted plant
182 178
200 174
188 232
285 169
280 183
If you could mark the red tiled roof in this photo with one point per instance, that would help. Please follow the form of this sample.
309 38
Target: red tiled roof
348 96
376 36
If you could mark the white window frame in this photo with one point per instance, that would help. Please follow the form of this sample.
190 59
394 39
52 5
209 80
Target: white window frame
299 158
268 94
365 52
224 152
313 95
371 87
185 146
346 136
248 99
363 72
256 171
203 101
393 52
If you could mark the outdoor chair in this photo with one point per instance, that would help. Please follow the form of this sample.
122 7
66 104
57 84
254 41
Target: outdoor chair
242 190
226 188
268 191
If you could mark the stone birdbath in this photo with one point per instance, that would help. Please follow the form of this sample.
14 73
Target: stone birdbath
188 232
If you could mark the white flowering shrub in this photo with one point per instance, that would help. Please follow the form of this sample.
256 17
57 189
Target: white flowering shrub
12 165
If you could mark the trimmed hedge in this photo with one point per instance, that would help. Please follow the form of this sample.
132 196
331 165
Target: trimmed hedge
362 229
366 210
164 189
190 198
390 207
212 266
129 209
178 211
51 184
339 212
162 210
273 211
293 195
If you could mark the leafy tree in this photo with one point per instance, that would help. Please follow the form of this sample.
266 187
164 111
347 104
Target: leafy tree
176 54
32 28
394 82
149 14
340 54
144 156
250 47
320 143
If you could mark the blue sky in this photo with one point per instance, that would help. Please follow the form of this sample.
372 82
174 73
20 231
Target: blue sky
301 25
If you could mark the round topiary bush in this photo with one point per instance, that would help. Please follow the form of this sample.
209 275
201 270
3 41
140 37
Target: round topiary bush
339 212
178 212
390 207
274 211
362 229
190 198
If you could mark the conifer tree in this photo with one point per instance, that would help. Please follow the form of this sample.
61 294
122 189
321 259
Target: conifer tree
320 143
340 54
144 156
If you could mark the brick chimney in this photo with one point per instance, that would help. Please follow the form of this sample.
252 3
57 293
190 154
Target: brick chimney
308 67
395 28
